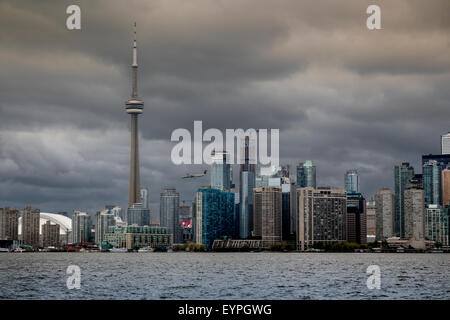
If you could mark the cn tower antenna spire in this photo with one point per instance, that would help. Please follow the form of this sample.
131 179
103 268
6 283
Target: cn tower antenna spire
134 107
134 48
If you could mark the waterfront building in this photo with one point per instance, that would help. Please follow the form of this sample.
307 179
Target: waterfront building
432 182
306 175
185 219
356 218
437 224
50 234
352 181
371 216
221 171
103 220
213 215
445 182
247 174
322 216
445 143
81 227
385 209
133 237
268 214
9 223
402 174
414 214
30 226
169 212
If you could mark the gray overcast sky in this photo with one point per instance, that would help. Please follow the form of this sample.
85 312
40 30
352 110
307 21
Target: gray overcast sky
341 95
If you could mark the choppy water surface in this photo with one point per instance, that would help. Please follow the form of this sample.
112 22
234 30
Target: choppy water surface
186 275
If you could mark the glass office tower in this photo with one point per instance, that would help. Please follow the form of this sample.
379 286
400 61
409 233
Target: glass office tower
213 215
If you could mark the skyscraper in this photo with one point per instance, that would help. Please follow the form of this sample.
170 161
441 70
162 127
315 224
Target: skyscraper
414 215
30 226
437 224
445 181
402 174
134 107
371 216
81 227
169 212
144 197
352 181
356 218
267 215
103 220
445 143
432 182
9 223
322 216
247 183
213 214
306 175
50 234
385 208
221 171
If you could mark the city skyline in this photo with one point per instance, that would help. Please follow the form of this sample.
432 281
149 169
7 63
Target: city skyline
341 114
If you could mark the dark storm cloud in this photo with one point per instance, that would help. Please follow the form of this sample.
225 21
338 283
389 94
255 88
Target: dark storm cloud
341 95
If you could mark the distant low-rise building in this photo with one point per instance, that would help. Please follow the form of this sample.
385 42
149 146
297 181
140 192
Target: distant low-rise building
134 237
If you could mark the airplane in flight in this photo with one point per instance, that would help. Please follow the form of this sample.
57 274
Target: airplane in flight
196 175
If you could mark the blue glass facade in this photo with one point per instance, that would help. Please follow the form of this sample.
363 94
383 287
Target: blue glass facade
213 215
432 182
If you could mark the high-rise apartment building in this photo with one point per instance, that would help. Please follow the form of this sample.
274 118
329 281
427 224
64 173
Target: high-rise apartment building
306 175
267 215
437 224
50 234
445 143
356 218
371 216
103 220
221 171
402 174
414 214
169 212
30 226
322 216
352 181
9 223
385 211
432 177
213 215
81 227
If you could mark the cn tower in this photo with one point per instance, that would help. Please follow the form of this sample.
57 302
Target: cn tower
134 106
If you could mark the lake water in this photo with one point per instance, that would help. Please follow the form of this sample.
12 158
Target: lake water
185 275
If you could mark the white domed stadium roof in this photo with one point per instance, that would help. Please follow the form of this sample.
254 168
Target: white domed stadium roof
65 223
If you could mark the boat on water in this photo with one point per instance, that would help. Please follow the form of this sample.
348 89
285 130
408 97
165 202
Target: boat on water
4 250
146 249
436 250
18 250
400 250
118 250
